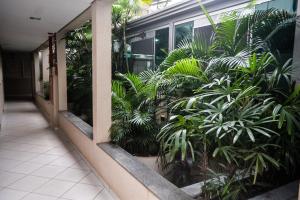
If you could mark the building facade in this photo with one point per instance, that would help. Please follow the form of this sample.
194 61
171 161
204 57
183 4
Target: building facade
151 37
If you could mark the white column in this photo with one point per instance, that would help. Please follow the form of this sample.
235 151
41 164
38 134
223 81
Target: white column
171 36
101 56
45 64
62 75
37 72
54 121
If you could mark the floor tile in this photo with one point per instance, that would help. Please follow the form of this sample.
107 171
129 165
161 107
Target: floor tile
16 155
34 157
74 155
54 188
6 164
80 165
7 178
9 194
6 138
26 167
58 151
74 175
33 196
44 158
48 171
34 148
23 147
82 192
92 179
28 183
63 161
104 195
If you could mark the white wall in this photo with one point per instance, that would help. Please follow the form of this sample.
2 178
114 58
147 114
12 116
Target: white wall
45 57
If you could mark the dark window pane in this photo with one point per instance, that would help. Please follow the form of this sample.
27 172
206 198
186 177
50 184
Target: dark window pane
143 47
204 32
161 45
183 31
142 55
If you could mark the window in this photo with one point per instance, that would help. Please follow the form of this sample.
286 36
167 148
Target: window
289 5
142 55
204 32
161 45
183 31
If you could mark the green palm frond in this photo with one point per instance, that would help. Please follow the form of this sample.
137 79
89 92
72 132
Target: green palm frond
133 80
190 68
141 118
173 57
118 89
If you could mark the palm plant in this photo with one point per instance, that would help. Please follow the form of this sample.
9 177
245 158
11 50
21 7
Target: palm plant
122 12
79 71
134 117
232 97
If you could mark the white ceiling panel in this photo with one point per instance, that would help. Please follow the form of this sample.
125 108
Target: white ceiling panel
18 32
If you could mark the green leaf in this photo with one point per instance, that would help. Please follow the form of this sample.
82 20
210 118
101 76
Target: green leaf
250 134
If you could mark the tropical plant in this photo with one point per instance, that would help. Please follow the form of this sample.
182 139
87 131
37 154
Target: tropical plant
232 99
79 56
79 71
46 90
122 12
134 106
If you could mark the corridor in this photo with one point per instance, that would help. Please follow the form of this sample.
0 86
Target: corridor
36 163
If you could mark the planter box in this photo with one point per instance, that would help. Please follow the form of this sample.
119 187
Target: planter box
152 162
286 192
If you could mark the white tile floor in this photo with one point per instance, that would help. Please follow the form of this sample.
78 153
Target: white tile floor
38 164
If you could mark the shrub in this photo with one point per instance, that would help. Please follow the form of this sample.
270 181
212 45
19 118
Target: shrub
233 100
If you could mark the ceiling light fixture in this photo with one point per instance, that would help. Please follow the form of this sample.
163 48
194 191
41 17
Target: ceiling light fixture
35 18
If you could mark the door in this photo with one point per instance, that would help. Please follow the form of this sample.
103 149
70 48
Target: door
17 71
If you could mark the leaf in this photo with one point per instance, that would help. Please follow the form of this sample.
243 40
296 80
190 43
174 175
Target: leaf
250 134
191 102
236 137
207 15
186 67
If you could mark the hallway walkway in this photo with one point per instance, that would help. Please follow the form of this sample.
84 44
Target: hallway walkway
37 164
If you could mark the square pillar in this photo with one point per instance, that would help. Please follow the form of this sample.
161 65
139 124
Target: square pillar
54 114
62 75
101 61
45 65
171 36
37 72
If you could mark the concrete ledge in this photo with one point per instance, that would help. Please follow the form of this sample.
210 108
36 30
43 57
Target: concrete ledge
84 127
158 185
286 192
44 105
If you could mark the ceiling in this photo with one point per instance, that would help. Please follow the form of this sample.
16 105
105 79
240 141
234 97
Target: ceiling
19 33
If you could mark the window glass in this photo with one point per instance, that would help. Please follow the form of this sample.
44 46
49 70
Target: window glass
142 55
289 5
183 31
204 31
161 45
